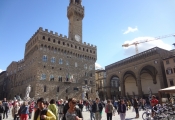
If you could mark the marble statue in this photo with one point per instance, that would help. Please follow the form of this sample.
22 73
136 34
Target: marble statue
28 89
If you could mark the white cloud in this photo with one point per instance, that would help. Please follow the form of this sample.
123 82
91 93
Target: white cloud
144 46
130 29
98 66
1 70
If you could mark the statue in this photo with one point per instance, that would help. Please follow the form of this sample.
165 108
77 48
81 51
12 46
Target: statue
150 93
28 89
83 95
97 95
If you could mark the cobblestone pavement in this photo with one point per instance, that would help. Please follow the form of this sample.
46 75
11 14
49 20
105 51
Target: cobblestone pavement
129 115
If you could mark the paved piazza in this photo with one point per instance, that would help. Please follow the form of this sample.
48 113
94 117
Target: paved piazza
129 115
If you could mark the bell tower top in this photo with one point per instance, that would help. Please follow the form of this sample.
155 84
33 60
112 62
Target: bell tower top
75 14
75 1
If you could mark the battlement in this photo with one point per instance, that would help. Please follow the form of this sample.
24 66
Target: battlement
64 37
20 61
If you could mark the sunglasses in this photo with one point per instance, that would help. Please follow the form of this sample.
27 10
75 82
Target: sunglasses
73 102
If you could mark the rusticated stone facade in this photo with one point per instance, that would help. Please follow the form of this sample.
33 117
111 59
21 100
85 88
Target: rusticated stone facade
56 66
137 75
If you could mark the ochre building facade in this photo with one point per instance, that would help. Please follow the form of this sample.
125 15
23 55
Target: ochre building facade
56 66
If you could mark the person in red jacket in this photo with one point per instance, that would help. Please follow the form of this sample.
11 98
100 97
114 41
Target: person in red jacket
154 102
31 108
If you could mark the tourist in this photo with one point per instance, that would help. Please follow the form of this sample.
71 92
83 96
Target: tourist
52 107
154 102
90 110
60 109
15 110
73 113
1 110
24 111
109 110
122 110
80 105
6 108
31 108
136 105
97 108
66 107
116 104
43 113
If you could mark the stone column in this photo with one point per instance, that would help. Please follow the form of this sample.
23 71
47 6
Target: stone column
161 80
122 88
139 86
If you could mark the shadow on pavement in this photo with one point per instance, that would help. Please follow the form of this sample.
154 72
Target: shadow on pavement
129 118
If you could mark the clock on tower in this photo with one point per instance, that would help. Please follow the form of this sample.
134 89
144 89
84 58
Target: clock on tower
75 14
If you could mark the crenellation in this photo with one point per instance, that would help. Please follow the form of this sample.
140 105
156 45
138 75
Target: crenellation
46 30
40 29
60 35
56 33
84 43
65 36
51 32
88 44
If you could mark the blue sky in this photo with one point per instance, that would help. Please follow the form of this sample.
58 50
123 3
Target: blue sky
107 24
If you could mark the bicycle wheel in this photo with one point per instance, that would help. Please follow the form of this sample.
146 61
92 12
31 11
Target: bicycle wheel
145 116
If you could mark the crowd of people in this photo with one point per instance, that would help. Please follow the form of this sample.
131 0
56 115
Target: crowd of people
71 109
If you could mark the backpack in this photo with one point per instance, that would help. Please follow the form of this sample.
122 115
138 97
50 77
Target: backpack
37 112
6 106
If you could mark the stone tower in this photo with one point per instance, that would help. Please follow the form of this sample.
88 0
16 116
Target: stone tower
56 66
75 14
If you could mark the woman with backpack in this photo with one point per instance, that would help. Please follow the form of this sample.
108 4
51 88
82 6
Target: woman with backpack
109 110
52 107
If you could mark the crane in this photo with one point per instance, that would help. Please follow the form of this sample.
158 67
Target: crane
146 40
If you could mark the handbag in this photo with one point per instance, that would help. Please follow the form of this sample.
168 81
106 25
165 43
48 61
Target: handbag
106 109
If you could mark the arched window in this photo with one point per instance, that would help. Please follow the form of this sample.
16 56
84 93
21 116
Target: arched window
76 65
169 71
58 89
85 66
67 62
48 39
44 58
85 74
43 37
45 88
67 77
43 76
86 82
59 78
115 82
51 77
60 61
53 60
90 67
